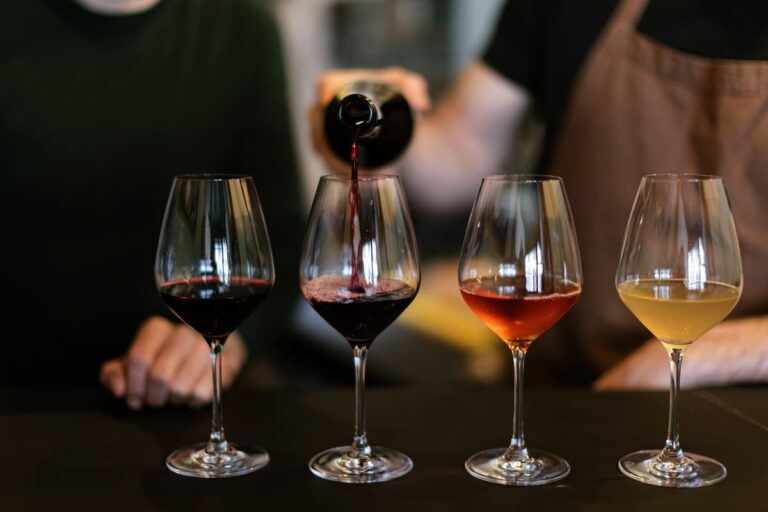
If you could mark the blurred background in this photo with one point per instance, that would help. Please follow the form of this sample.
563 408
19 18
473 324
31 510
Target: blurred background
105 101
437 339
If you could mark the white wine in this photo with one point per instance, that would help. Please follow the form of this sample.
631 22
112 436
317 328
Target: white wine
676 311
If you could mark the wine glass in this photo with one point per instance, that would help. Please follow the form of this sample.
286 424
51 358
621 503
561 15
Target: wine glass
680 275
519 272
359 270
213 268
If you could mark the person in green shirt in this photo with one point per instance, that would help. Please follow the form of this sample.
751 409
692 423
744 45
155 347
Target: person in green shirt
103 102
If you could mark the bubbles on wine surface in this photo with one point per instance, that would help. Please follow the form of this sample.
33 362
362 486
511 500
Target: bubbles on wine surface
358 315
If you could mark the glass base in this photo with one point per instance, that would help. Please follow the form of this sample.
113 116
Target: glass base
692 471
533 467
234 461
344 464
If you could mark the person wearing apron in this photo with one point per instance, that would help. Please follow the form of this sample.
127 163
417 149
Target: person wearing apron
634 106
638 107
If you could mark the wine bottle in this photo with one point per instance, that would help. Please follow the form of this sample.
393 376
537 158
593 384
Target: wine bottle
380 117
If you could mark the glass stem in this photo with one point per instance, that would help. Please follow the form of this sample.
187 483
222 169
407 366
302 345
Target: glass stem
672 450
517 449
217 443
360 441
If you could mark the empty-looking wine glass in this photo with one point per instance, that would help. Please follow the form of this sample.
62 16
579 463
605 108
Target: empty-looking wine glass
213 268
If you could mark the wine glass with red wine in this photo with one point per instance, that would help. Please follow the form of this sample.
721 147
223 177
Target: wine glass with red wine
520 272
213 268
359 271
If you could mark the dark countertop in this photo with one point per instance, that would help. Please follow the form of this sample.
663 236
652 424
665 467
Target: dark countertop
78 448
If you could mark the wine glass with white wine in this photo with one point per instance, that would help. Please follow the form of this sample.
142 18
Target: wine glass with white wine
680 275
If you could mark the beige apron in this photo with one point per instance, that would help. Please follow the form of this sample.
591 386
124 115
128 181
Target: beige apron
640 107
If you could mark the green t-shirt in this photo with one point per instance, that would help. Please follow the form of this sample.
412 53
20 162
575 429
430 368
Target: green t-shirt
98 114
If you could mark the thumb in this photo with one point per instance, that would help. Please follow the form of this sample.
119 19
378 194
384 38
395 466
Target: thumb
236 354
112 376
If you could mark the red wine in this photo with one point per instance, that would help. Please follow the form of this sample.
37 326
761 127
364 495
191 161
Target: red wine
518 317
371 121
358 316
354 207
213 307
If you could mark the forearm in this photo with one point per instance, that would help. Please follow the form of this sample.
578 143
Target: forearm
468 136
733 352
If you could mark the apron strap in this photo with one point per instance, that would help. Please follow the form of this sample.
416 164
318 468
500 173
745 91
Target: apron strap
620 25
630 12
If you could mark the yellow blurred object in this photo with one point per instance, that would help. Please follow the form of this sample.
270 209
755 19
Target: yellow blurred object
440 313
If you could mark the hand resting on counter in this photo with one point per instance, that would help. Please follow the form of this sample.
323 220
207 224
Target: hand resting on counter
170 363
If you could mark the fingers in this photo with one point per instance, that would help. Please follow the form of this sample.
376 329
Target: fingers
412 85
170 363
112 376
182 344
235 354
329 83
152 335
233 357
195 368
202 392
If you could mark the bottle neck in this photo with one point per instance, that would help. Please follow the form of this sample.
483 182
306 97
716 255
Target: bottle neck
359 113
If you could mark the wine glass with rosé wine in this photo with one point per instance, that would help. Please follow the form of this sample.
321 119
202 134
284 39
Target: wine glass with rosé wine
213 268
519 272
680 275
359 270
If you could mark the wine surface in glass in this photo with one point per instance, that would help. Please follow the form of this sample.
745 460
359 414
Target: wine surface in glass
676 311
517 316
211 306
358 315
